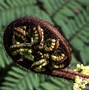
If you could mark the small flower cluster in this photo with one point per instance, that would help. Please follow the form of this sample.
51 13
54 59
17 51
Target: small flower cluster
82 69
79 82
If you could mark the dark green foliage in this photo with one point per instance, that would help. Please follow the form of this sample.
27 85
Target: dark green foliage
73 18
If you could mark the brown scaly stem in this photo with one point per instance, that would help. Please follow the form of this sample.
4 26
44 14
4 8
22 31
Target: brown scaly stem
68 73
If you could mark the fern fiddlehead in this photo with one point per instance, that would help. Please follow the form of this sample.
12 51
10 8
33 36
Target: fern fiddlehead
37 45
37 35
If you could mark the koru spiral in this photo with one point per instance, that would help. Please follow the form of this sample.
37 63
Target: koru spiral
36 44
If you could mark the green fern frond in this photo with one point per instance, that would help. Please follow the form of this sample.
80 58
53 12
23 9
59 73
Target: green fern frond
18 78
83 2
5 60
55 84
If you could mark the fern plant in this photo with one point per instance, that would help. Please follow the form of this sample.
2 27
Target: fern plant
69 16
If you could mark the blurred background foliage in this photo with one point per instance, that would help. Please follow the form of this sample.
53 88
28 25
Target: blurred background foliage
71 17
